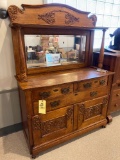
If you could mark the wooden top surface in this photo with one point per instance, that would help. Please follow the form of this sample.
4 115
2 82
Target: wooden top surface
62 77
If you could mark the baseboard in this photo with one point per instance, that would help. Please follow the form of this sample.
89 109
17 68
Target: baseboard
10 129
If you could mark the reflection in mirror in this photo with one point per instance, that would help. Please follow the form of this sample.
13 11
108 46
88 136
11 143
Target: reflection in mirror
52 50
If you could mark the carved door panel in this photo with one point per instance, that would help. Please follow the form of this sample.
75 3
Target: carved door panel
52 125
92 111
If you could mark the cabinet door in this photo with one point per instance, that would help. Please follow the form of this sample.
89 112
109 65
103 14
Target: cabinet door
91 112
52 125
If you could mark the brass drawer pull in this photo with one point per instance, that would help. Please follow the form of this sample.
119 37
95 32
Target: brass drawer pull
102 82
92 94
65 90
87 85
117 95
45 94
55 103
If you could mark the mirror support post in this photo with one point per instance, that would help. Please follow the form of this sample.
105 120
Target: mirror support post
101 56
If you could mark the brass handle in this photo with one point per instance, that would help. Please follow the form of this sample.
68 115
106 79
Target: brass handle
102 82
117 95
87 85
55 103
45 94
92 94
65 90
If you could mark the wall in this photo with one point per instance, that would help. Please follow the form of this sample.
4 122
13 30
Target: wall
9 100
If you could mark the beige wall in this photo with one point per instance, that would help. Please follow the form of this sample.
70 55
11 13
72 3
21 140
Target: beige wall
9 105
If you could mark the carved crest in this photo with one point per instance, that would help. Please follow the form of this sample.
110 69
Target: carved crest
49 17
94 19
13 11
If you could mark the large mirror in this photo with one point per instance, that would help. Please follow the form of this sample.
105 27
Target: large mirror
53 50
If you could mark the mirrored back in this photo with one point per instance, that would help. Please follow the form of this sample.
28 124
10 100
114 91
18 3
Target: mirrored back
54 50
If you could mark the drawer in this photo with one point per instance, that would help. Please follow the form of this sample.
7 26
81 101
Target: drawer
116 95
92 83
72 98
115 106
49 92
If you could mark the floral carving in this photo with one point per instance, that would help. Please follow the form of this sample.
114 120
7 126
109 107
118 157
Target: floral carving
93 111
49 17
70 19
105 101
82 109
69 113
22 77
36 123
13 11
53 125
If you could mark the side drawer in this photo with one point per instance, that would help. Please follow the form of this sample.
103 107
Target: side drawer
62 101
92 83
115 106
49 92
116 95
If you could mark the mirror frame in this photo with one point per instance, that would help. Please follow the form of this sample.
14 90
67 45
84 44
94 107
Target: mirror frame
50 19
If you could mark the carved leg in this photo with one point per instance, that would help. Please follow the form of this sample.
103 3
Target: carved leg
109 118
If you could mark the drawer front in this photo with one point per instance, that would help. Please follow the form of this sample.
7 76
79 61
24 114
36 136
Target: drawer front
62 101
49 92
97 82
115 106
52 125
92 111
116 95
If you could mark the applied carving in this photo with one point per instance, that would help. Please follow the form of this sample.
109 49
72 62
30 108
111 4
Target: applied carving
93 111
82 109
53 125
49 17
69 113
13 11
70 19
105 101
94 19
36 123
22 77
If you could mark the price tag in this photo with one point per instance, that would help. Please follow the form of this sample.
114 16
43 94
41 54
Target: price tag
42 107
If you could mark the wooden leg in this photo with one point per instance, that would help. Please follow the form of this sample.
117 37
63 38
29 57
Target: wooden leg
33 156
104 126
109 118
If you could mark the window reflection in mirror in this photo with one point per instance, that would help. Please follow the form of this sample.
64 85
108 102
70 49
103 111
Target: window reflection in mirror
53 50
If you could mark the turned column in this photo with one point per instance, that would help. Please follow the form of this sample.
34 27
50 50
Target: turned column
101 55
